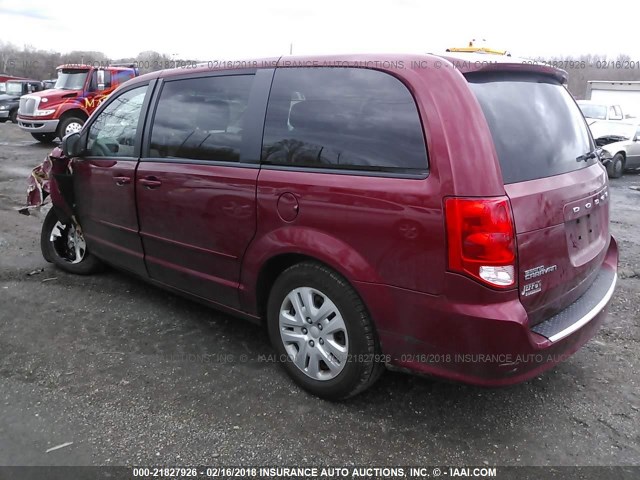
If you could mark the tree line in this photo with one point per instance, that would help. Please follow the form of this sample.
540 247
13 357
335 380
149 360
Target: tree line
41 64
583 68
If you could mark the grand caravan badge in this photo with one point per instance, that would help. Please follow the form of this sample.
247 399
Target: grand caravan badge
539 271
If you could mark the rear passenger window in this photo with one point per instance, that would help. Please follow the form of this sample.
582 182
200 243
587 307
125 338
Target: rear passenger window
347 118
201 118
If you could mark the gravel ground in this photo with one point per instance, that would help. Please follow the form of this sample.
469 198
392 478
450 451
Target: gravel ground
133 375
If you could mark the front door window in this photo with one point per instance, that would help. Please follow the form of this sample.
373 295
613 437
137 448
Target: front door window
113 133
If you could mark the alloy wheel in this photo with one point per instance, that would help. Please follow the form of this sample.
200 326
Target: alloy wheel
68 242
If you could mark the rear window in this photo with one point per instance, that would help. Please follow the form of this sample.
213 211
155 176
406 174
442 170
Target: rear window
121 76
345 118
537 128
590 110
201 118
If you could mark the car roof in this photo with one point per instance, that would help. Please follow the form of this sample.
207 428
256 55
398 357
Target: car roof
463 62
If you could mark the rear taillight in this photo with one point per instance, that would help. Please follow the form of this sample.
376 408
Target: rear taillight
481 239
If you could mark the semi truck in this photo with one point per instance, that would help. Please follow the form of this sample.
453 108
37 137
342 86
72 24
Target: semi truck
78 91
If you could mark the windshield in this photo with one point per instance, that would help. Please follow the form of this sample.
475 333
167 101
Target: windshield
71 79
590 110
3 87
537 128
14 88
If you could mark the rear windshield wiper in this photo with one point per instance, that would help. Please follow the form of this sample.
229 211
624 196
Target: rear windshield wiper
587 156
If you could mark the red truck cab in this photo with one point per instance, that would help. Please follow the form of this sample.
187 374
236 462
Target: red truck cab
4 78
64 109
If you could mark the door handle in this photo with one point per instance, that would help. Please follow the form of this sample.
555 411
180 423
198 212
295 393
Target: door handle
150 182
120 181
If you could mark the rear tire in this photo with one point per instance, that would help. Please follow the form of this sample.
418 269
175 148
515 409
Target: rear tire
615 169
63 246
318 323
44 137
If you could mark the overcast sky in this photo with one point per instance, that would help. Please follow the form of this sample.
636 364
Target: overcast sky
254 28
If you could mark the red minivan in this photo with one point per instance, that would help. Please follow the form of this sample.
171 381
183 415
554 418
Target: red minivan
439 214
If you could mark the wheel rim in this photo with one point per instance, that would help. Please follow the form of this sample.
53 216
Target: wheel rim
73 127
314 333
68 243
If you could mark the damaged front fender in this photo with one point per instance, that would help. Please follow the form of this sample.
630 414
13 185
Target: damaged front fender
51 181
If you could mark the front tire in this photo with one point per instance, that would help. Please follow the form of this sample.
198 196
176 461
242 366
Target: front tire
69 125
13 116
615 169
318 323
64 246
44 137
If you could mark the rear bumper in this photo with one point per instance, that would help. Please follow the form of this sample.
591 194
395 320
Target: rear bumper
489 345
582 311
35 125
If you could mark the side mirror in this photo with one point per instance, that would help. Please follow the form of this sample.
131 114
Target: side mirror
100 79
71 145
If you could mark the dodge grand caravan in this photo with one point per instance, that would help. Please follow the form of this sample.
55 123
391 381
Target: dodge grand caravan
438 214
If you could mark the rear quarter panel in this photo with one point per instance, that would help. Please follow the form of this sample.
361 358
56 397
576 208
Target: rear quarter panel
376 229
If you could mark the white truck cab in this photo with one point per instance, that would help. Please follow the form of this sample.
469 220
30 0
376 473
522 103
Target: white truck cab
593 110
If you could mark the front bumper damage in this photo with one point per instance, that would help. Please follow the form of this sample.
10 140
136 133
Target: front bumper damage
51 182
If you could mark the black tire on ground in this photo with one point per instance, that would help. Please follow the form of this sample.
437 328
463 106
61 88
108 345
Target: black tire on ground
60 252
44 137
64 124
13 116
615 169
363 365
3 120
